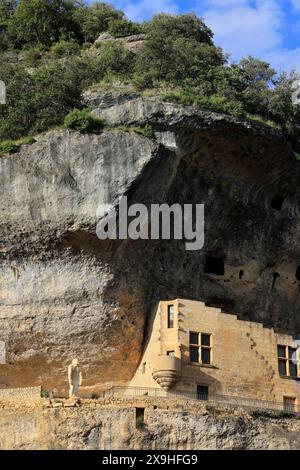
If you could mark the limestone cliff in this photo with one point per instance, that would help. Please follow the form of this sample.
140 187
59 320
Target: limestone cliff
64 293
96 426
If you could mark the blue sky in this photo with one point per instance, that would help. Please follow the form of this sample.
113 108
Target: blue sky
268 29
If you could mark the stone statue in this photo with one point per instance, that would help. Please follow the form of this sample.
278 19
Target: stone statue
75 378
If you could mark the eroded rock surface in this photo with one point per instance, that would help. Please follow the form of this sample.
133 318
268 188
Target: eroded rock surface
95 427
64 293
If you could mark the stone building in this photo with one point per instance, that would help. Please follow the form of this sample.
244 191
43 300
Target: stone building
200 351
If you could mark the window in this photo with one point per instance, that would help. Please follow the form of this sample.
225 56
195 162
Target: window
144 368
202 392
171 353
287 361
289 404
200 348
170 316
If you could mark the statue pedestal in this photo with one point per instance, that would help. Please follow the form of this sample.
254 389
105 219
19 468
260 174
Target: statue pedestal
71 402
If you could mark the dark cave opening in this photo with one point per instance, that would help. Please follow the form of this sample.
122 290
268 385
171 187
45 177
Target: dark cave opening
214 266
241 274
298 273
277 203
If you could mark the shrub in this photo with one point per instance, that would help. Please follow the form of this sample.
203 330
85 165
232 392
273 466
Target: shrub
187 26
122 27
112 59
82 121
8 146
272 414
146 131
64 49
33 55
18 115
95 19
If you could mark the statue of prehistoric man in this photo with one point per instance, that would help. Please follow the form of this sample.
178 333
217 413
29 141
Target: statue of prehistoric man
75 378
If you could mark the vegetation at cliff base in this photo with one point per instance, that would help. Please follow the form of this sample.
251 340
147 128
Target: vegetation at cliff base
48 56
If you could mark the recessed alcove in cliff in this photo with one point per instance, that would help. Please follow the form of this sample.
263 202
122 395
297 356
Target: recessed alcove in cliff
214 265
298 273
277 202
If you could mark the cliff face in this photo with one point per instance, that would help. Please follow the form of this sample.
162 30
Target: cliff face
96 427
64 293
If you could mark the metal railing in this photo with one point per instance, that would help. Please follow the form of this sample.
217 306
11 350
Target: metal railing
228 400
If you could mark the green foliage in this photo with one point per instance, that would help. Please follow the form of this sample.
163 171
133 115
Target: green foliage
147 131
178 57
64 49
82 121
40 22
123 27
281 414
33 55
55 94
36 101
7 8
45 394
11 146
17 115
8 146
177 48
112 60
188 26
95 19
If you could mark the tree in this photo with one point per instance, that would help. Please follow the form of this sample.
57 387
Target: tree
56 93
95 19
7 8
17 115
187 26
40 22
258 77
281 107
123 27
177 47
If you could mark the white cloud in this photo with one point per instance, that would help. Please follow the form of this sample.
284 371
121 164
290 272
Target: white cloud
141 9
241 27
244 29
284 59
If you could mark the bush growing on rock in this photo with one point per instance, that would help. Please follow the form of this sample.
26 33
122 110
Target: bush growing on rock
178 55
82 121
64 49
122 27
95 19
8 146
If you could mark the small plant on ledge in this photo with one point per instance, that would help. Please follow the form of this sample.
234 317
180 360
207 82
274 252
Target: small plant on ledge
82 121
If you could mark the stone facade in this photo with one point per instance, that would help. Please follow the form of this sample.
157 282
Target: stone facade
194 349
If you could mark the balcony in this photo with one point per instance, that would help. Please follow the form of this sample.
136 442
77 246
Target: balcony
166 371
